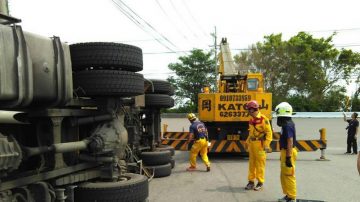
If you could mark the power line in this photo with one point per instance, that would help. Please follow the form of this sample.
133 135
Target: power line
136 19
170 19
166 73
171 52
336 30
234 49
180 16
166 52
194 19
148 24
138 40
137 23
346 45
329 30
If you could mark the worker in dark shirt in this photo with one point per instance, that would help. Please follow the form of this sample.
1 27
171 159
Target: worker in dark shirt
288 153
352 131
198 133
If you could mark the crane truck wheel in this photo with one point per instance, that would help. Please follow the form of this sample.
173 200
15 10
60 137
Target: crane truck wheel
98 83
106 55
135 187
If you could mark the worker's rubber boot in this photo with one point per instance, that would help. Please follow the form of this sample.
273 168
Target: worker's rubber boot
283 199
208 169
250 185
191 168
259 186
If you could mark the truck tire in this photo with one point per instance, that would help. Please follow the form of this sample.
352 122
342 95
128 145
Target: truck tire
155 157
172 91
105 55
156 86
158 101
172 162
136 188
160 170
166 147
92 83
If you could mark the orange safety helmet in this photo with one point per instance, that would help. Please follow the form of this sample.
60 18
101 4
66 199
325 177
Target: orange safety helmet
252 105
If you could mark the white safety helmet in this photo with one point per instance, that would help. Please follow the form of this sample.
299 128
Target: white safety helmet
284 109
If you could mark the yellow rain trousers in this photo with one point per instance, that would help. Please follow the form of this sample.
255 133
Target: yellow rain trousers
257 159
287 174
201 146
260 137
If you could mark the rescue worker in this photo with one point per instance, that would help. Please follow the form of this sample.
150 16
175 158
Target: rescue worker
199 133
288 153
258 143
352 131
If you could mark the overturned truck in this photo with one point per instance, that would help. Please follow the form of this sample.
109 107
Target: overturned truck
74 120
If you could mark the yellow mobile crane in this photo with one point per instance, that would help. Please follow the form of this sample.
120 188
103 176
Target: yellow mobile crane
224 111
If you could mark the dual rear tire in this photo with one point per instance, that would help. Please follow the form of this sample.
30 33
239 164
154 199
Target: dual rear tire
134 188
106 69
159 161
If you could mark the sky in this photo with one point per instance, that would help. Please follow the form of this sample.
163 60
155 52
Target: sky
168 29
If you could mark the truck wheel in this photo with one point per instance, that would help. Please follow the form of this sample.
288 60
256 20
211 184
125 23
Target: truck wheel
158 101
160 170
172 91
172 162
155 157
155 86
93 83
135 188
103 55
166 147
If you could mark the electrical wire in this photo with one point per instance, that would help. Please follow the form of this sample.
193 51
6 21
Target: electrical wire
347 45
182 19
194 19
137 23
167 52
170 19
137 40
337 30
135 18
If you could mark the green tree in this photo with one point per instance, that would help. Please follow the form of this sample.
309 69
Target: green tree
356 98
272 59
193 72
355 101
305 69
333 100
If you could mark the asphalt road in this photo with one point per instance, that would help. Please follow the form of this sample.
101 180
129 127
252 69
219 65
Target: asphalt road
335 180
